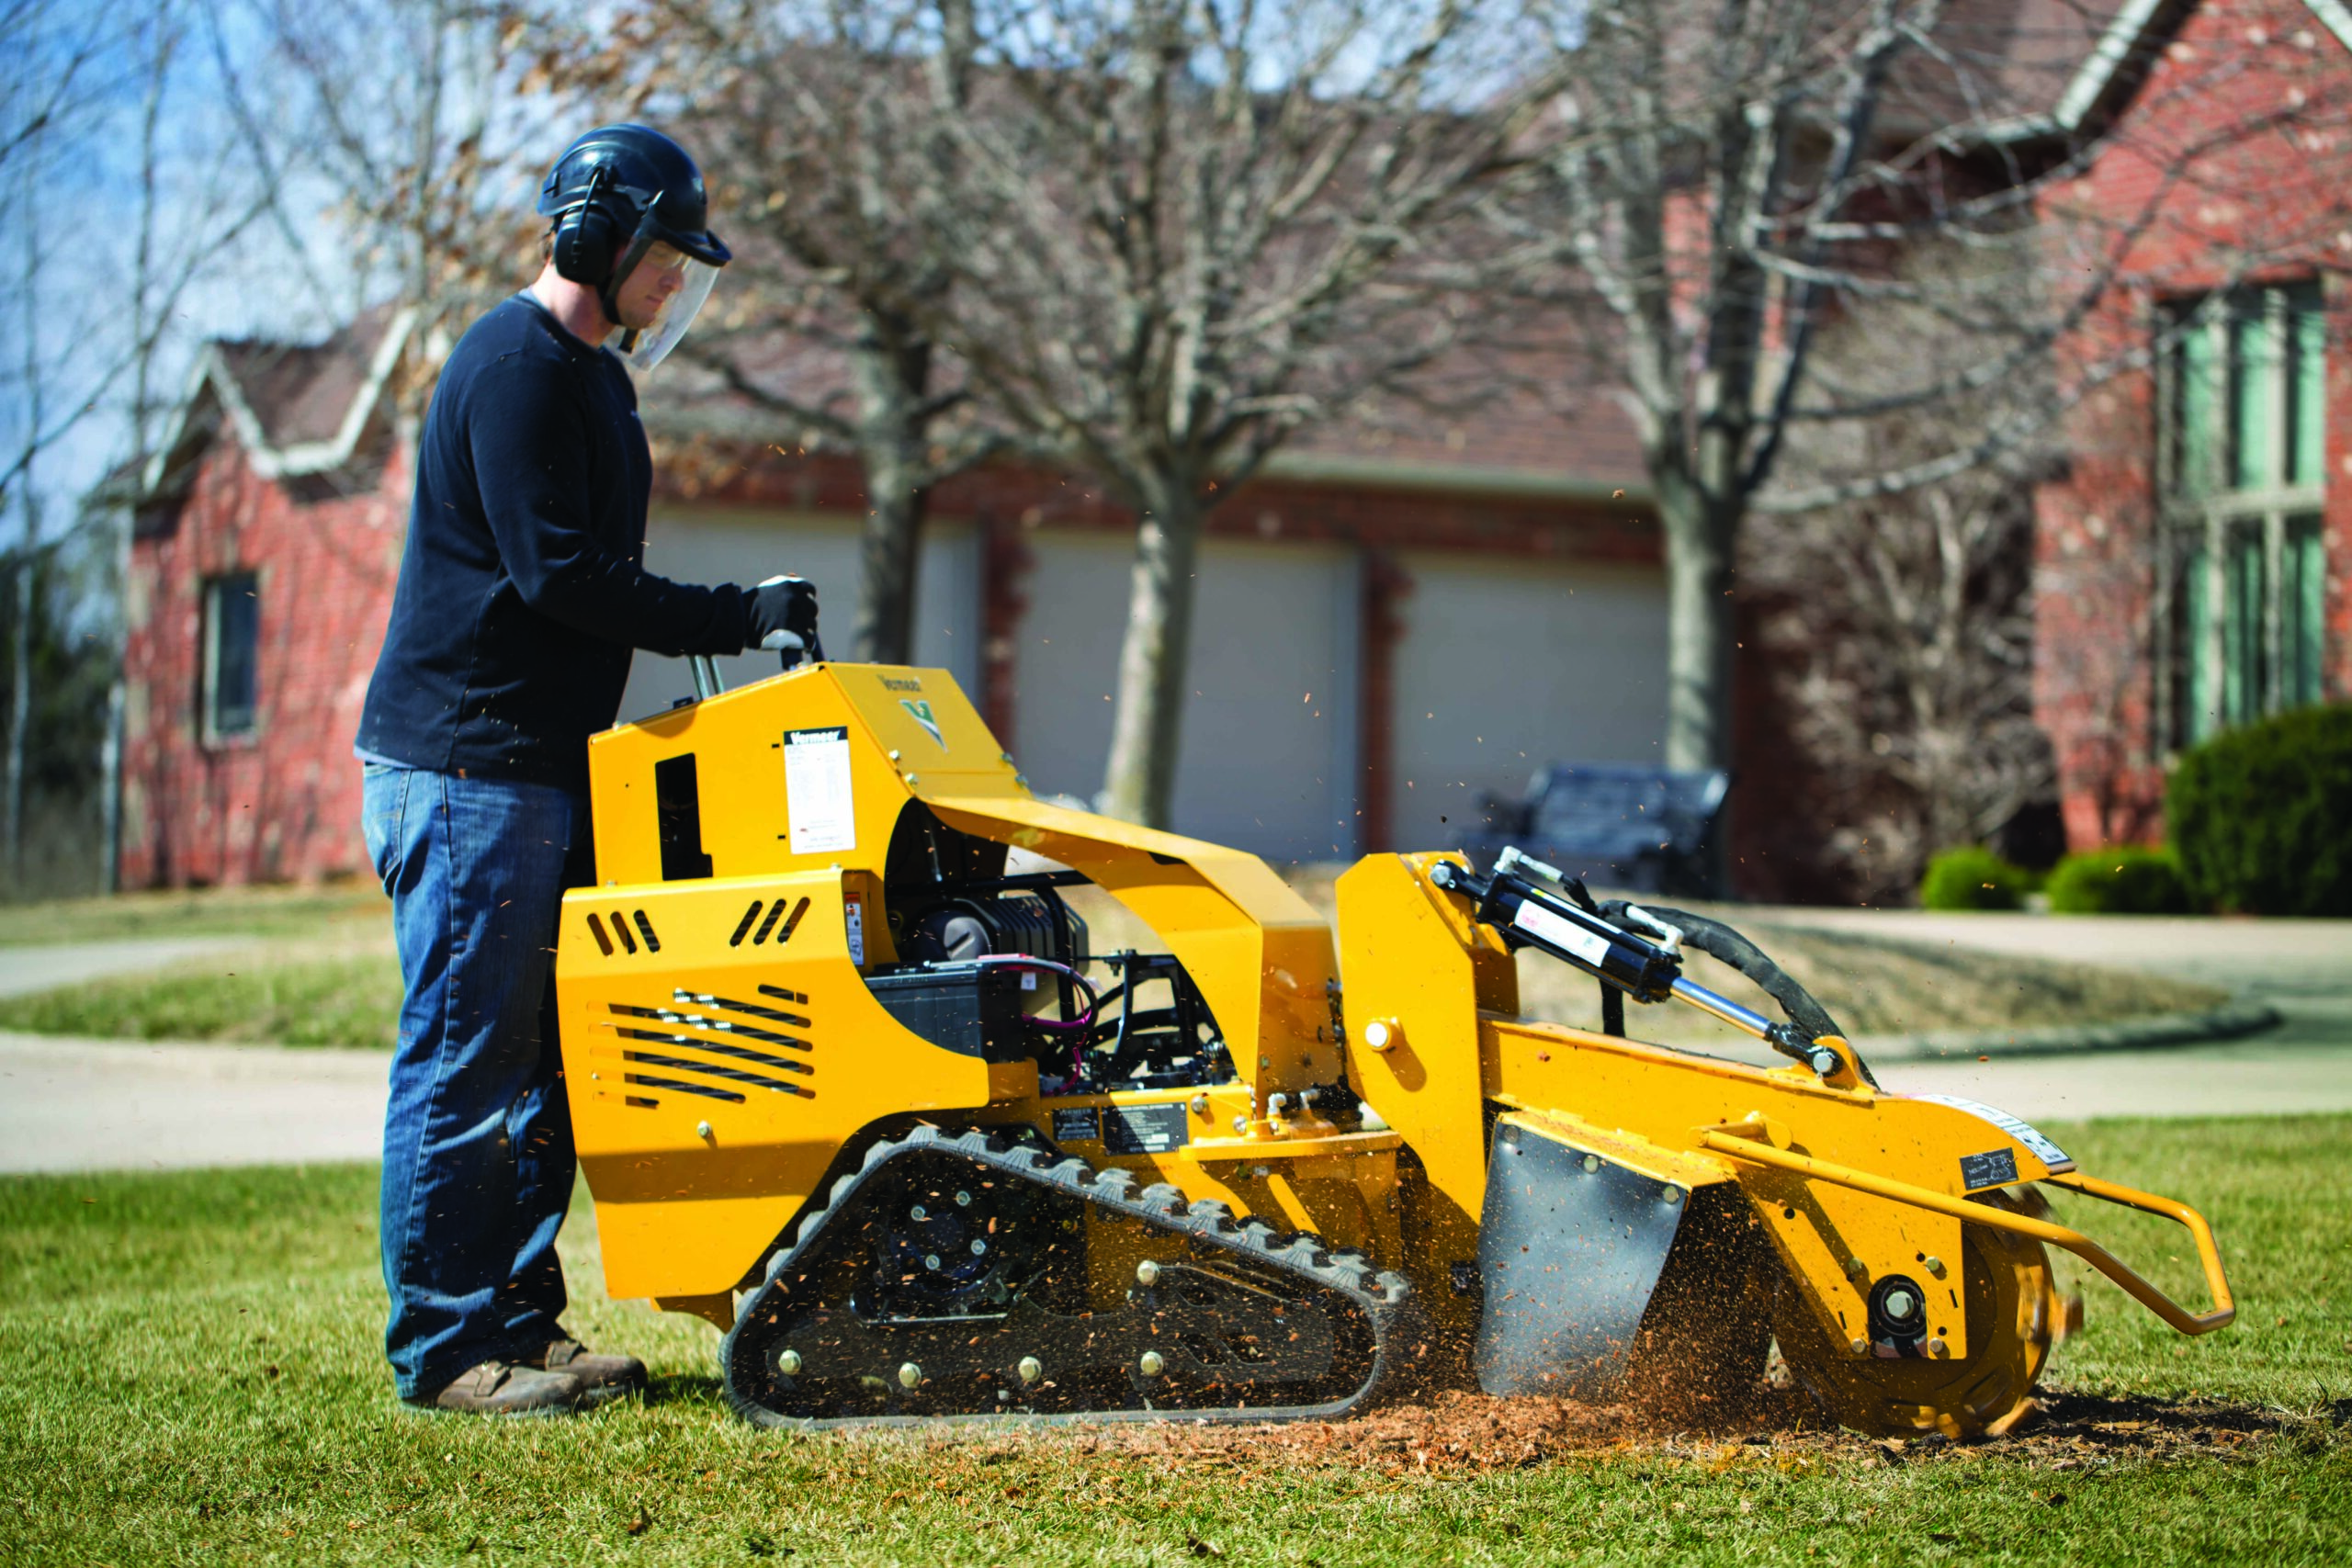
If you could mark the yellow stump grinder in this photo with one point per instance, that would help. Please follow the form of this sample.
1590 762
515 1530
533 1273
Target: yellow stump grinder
848 1079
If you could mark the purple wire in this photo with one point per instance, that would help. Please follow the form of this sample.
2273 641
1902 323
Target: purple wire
1046 966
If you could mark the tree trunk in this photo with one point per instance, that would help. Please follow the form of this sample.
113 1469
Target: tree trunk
1700 534
1139 782
891 367
889 550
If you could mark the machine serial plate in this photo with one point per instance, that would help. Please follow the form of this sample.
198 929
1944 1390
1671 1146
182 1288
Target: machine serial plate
1077 1123
1144 1129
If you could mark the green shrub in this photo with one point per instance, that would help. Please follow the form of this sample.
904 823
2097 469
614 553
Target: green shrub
2123 879
1971 877
2261 817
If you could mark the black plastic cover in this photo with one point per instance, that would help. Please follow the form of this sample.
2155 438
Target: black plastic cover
972 1010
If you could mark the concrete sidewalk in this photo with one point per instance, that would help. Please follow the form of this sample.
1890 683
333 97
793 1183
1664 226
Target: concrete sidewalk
111 1105
27 969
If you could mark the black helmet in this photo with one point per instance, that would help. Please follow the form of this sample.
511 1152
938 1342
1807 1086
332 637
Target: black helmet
614 193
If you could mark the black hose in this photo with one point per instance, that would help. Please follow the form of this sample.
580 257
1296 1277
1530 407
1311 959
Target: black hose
1719 940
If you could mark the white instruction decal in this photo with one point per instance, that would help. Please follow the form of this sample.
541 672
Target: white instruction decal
2039 1147
1536 920
816 799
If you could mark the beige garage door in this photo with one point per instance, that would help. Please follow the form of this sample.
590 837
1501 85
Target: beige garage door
1269 731
716 546
1508 665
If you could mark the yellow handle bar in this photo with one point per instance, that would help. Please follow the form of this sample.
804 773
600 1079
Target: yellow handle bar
1744 1142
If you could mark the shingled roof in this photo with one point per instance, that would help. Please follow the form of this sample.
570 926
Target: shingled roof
296 409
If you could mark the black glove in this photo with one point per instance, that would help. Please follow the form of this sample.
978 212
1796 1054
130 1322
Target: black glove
783 616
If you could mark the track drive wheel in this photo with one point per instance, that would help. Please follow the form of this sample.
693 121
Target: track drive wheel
2011 1302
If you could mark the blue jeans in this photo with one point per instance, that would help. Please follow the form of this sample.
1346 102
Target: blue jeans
478 1161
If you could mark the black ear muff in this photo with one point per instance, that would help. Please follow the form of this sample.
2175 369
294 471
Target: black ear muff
587 236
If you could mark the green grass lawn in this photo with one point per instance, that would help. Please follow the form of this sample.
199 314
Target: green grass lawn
257 996
192 1375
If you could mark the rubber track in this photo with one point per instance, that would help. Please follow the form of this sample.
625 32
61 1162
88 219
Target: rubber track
1384 1297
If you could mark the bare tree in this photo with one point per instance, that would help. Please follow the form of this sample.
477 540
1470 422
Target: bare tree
1182 232
813 123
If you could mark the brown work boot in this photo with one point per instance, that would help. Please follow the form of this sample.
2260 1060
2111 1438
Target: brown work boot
503 1388
601 1378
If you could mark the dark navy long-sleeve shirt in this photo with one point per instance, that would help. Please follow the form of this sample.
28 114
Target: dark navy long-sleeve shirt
520 592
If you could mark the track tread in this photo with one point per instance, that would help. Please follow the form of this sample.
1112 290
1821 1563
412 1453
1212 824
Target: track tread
1384 1298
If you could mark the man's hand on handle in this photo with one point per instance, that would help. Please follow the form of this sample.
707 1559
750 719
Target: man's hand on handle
783 618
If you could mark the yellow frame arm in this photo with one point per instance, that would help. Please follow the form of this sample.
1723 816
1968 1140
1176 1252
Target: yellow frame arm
1745 1143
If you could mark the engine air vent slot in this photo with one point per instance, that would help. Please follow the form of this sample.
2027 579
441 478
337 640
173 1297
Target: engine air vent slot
793 924
597 930
749 1009
719 1048
648 1081
620 930
780 993
776 911
645 929
745 924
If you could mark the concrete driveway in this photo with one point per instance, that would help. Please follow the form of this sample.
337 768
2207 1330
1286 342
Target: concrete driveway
2303 968
82 1105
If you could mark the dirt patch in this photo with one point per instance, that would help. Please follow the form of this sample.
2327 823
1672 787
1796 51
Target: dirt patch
1466 1432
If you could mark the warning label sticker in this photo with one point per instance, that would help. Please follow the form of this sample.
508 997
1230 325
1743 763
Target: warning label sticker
816 799
1144 1129
1538 921
2036 1145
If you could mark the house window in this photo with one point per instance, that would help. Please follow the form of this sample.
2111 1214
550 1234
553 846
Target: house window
2242 462
231 642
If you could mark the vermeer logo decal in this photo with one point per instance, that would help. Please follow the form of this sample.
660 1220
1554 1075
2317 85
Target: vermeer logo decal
921 710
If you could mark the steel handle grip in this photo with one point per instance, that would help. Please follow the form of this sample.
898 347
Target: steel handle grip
1744 1142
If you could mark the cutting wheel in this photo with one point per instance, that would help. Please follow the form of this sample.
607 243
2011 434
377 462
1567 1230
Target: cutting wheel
2011 1302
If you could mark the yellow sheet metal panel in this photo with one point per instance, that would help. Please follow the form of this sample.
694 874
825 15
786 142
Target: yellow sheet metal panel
746 782
720 1047
1408 965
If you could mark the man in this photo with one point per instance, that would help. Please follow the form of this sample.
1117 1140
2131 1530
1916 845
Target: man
519 601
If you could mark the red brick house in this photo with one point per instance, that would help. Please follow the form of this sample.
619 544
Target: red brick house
263 554
2194 564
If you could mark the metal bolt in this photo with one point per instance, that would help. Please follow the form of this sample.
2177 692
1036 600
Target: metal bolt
963 1200
1901 1303
978 1247
914 779
1201 1106
1591 1164
1824 1062
1030 1369
1938 1347
1378 1035
1265 1061
788 1363
1857 1267
1147 1272
930 1260
1860 1346
701 1131
918 1213
1152 1363
1671 1196
910 1375
894 756
1936 1267
1239 1123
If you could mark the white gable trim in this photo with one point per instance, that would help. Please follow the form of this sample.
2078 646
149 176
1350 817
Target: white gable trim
2089 83
303 457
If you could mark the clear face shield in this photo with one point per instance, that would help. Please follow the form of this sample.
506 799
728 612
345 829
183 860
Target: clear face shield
659 297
